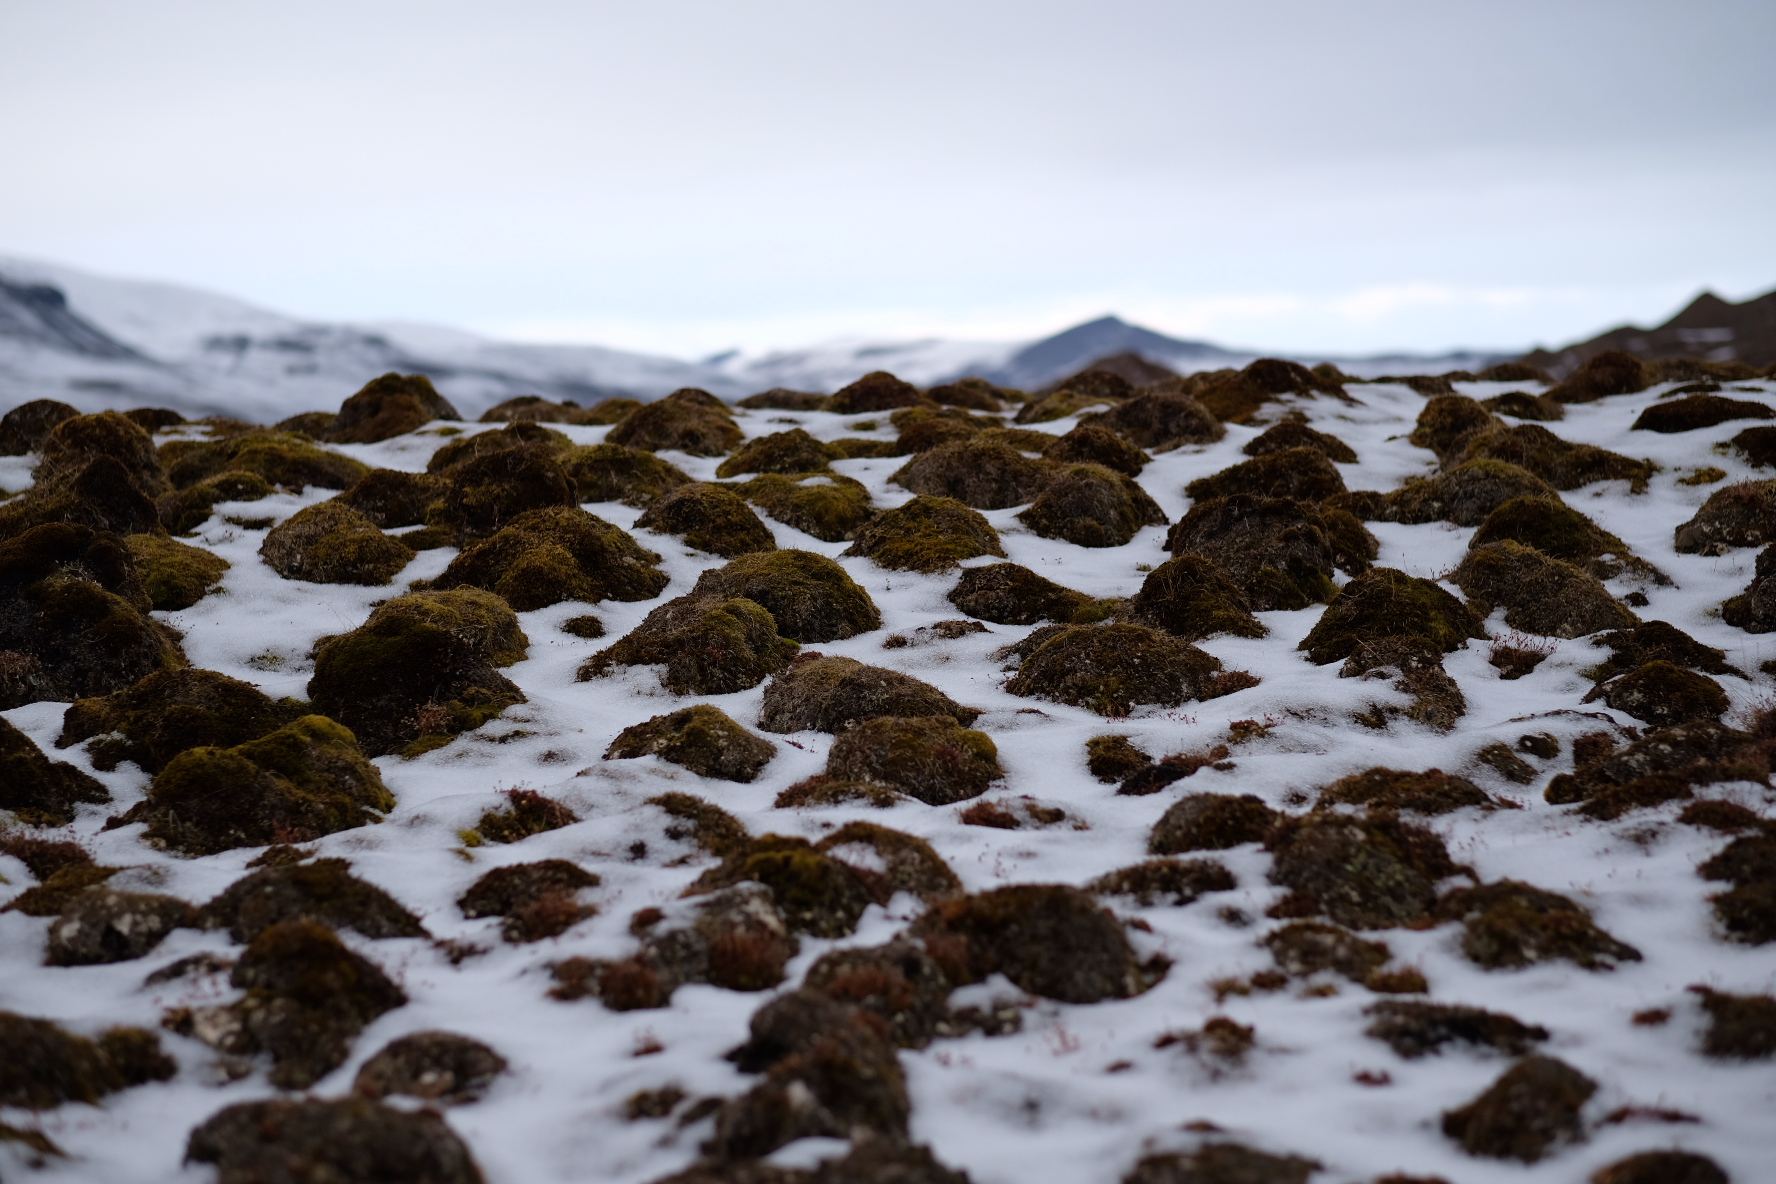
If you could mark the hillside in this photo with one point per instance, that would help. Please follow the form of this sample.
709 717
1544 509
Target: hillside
1708 327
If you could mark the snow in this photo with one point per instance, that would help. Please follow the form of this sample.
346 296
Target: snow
1046 1103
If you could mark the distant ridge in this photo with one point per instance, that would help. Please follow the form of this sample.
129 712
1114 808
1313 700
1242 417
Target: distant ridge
1709 328
1071 350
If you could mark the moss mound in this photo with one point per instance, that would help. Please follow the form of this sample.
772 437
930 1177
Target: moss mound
1560 532
386 407
1747 911
1510 924
488 493
612 473
899 983
1092 506
525 813
1062 403
1222 1163
528 409
547 556
1430 792
175 575
927 534
1661 641
1112 669
702 738
816 893
1609 373
1291 433
1383 603
322 890
1529 1111
791 452
710 518
101 926
279 458
1563 465
1514 372
1661 1167
1448 422
829 507
1374 872
75 443
810 597
1052 940
875 391
350 1139
1539 594
1277 551
42 1066
305 780
1755 446
534 900
709 645
1237 396
1303 948
688 420
184 510
985 474
1158 420
1521 405
1698 411
1464 495
1663 694
1741 1027
389 497
1175 882
1009 594
433 1066
831 694
467 448
38 790
1754 610
853 447
1189 597
976 394
1114 758
932 758
1302 473
331 543
1415 1029
166 713
100 496
782 399
1739 515
1698 753
1210 822
897 862
1094 444
25 427
821 790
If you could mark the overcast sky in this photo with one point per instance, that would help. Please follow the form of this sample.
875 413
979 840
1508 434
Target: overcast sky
684 176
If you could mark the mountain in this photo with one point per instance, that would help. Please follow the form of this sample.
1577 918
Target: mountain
1710 328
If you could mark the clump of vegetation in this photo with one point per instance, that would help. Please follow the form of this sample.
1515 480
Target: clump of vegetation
853 447
1437 699
1010 594
612 473
97 471
1052 940
1430 792
307 779
1415 1029
386 407
1278 551
1448 422
876 391
76 442
45 1065
932 758
64 869
421 670
1755 446
1094 444
1464 495
534 900
927 534
984 474
1173 768
925 428
529 409
815 893
1217 1162
1189 597
1294 433
37 790
809 596
1698 411
1663 693
829 507
1210 822
688 420
1563 465
1383 603
101 926
1514 372
1301 473
1303 948
389 497
332 543
708 826
488 493
174 575
1112 669
710 518
278 458
1114 758
782 399
898 982
1092 506
184 510
832 694
315 1139
709 645
1540 594
1561 532
24 428
1373 872
1529 1111
976 394
1160 420
790 452
547 556
1661 1167
460 452
1754 610
1089 388
322 890
1521 405
703 739
1611 372
1172 881
1738 515
1510 924
821 790
1740 1027
439 1067
1698 753
898 862
1747 911
525 813
168 712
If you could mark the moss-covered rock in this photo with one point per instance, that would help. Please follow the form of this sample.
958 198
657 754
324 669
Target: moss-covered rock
389 497
1094 444
1371 872
101 926
321 890
1010 594
875 391
783 399
1277 551
829 507
1175 882
1189 597
184 510
486 494
1563 465
1464 495
1611 372
534 900
1661 641
1385 602
1510 924
1448 422
38 790
1111 669
810 597
1210 822
688 420
815 893
854 448
1236 396
174 575
389 406
438 1067
927 534
1413 1029
1539 594
831 694
529 409
710 518
1430 792
100 496
1092 506
1160 420
166 713
1739 515
1437 699
279 458
24 428
1304 948
421 669
547 556
821 790
612 473
1223 1163
1740 1027
985 474
331 543
790 452
1663 693
1302 473
1049 939
932 758
1290 433
709 645
464 449
703 739
42 1065
1699 753
1061 403
976 394
313 1140
1561 532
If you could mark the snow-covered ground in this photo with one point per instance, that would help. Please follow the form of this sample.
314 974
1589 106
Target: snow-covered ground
1081 1092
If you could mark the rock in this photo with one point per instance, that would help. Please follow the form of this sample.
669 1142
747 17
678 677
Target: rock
1531 1109
688 420
1189 597
322 890
37 790
386 407
1510 924
927 534
832 694
1364 873
1049 939
810 597
166 713
315 1140
708 518
931 758
1415 1029
332 543
1008 594
433 1066
709 646
612 473
1111 669
42 1066
101 926
1092 506
1385 602
702 739
546 556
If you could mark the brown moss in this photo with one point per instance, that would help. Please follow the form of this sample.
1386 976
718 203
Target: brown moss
37 790
703 739
535 900
433 1066
985 474
709 646
1171 881
1437 700
1210 822
102 926
1747 911
1415 1029
1279 552
1539 594
488 493
43 1066
815 893
547 556
708 518
184 510
1160 420
1561 532
322 890
309 423
1661 1167
76 442
1662 694
875 391
168 712
1302 473
279 458
525 813
1189 597
613 410
1385 603
900 862
1365 873
174 575
421 668
1009 594
1740 1027
1563 465
832 694
687 420
389 497
527 409
708 826
1060 404
1464 495
1175 767
1739 515
1515 372
1430 792
821 790
1521 405
1509 924
898 982
1699 753
1698 411
1611 372
976 394
1111 669
461 451
389 406
354 1138
1091 506
853 447
1049 939
331 543
612 473
809 596
830 507
790 452
1221 1163
1094 444
1236 396
1729 817
1754 610
1755 446
1290 433
1114 758
1528 1112
781 399
101 496
24 428
1302 948
926 534
1448 422
922 429
931 758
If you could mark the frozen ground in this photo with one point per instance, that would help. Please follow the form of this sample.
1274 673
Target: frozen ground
1081 1092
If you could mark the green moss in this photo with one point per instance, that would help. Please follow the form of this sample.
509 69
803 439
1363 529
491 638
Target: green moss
168 712
1563 465
525 813
1210 822
1292 433
279 458
389 406
1663 693
1237 396
923 429
586 626
708 826
1061 404
1385 602
1430 792
1464 495
1510 924
708 518
76 442
1049 939
1277 551
926 534
550 555
605 411
810 597
708 644
332 543
323 890
1515 372
483 444
44 1066
1611 372
830 507
38 790
875 391
1302 473
816 893
389 497
1374 872
1519 405
1114 758
781 399
612 473
1560 532
688 420
313 424
932 758
702 738
1111 669
791 452
486 494
831 694
1739 515
1189 597
184 510
1009 594
1092 506
24 428
1448 422
1539 594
